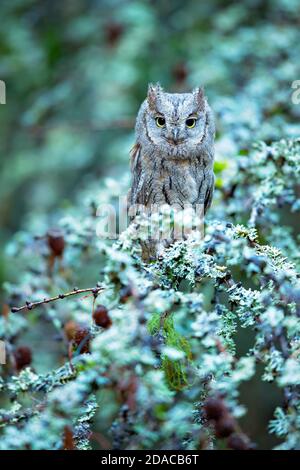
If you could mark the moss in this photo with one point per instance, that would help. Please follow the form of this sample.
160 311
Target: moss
174 369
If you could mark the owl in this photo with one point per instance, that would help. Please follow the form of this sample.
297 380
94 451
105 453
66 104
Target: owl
172 159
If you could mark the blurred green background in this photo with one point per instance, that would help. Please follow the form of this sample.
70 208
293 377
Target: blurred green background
76 72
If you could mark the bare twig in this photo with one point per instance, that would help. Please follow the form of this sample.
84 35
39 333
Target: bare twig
126 123
31 305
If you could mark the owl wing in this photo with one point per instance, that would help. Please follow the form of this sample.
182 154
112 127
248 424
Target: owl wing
209 194
134 155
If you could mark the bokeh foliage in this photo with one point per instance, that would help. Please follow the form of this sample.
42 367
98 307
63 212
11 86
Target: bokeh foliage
76 73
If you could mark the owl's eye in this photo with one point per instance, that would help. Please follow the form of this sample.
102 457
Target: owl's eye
190 123
160 121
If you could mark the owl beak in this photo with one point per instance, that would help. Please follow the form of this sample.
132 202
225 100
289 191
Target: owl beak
175 134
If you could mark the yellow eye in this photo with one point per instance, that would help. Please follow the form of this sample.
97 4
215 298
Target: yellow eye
160 121
190 123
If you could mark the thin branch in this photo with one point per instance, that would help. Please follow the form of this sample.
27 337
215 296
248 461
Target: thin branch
31 305
94 126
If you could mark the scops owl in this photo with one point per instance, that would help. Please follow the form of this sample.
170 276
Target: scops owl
172 159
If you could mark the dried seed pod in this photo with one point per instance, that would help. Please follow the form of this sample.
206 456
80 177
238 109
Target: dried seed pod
56 242
23 357
101 317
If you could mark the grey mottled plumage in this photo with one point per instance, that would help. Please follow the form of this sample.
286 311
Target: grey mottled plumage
171 162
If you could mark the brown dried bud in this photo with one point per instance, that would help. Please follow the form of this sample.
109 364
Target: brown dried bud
68 439
113 33
180 72
214 408
82 339
224 427
238 442
125 294
101 317
23 357
5 310
70 329
56 242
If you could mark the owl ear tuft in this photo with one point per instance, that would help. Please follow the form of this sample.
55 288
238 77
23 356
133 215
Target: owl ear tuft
199 97
154 92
